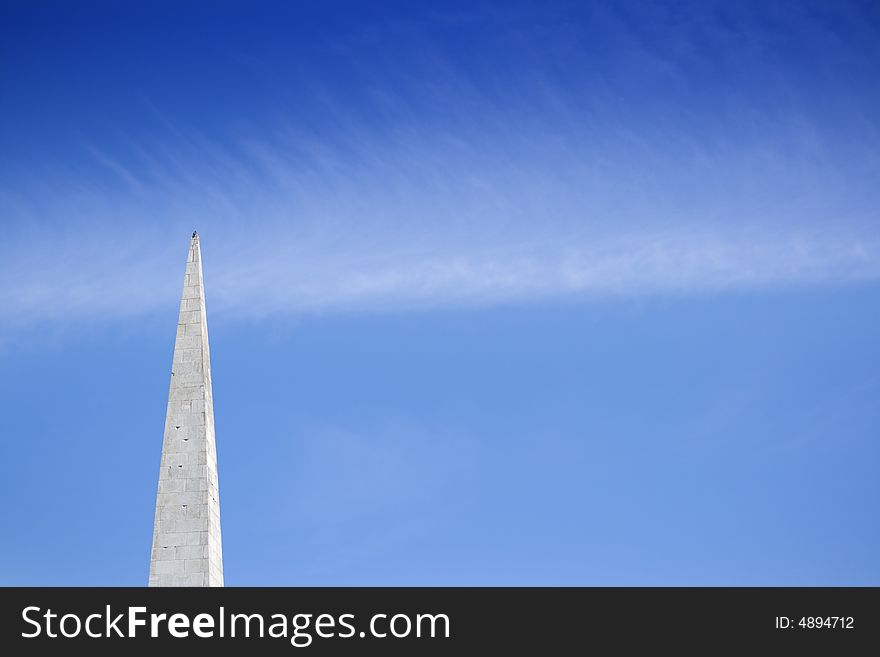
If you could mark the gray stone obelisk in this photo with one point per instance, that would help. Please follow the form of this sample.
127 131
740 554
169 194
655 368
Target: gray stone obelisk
186 532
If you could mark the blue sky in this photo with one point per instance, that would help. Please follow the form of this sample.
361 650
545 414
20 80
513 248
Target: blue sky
498 293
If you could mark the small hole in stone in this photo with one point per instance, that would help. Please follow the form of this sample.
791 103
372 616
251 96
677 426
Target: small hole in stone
179 466
185 439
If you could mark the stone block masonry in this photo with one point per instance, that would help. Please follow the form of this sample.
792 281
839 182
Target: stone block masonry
187 549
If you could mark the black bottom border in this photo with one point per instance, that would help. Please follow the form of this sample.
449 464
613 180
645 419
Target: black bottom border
523 620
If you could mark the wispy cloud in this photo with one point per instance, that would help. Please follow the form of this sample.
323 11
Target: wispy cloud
300 227
413 227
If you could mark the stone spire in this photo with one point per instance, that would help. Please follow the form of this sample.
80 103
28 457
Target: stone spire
186 532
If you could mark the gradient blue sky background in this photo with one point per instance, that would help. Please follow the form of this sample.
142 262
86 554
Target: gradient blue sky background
503 293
